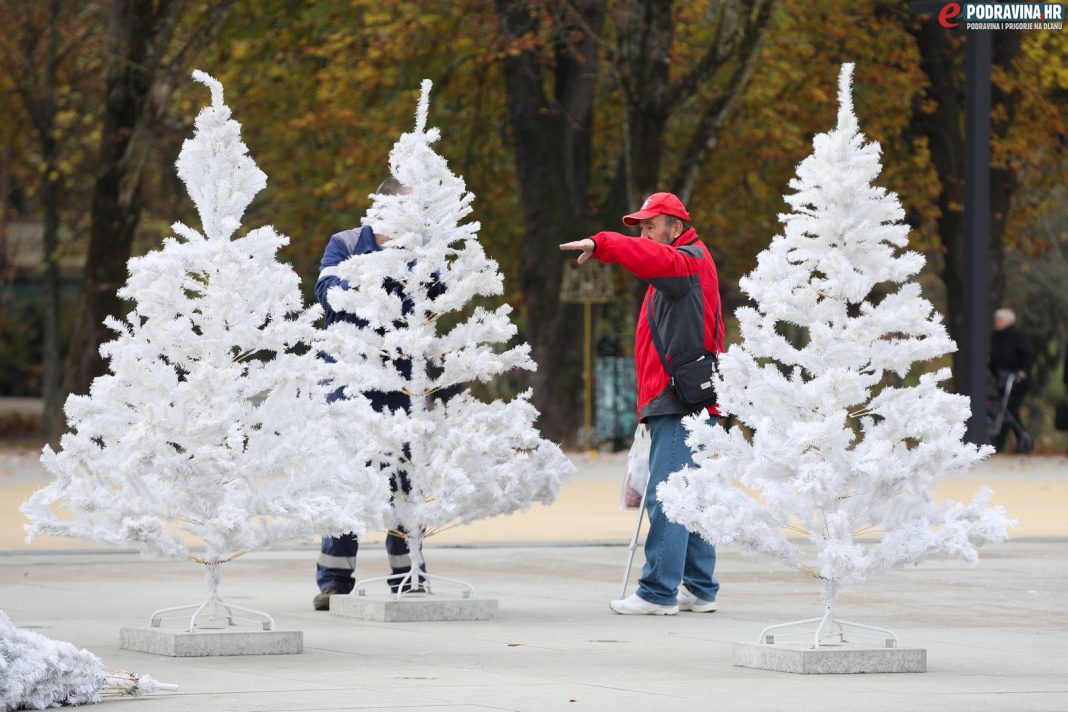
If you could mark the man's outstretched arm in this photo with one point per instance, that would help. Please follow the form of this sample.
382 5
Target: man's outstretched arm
647 260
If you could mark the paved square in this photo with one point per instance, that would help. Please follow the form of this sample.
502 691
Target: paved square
996 634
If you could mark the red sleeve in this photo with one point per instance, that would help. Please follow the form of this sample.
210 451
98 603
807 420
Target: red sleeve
645 259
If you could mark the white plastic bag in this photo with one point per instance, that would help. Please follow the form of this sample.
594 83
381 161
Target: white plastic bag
637 478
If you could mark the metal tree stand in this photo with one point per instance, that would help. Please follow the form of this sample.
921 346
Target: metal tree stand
415 545
210 608
359 588
829 631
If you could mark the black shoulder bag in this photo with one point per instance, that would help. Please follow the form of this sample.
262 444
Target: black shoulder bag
691 373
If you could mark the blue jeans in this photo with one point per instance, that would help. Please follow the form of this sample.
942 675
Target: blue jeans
672 554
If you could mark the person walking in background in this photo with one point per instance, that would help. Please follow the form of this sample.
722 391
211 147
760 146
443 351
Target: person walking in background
681 315
1011 357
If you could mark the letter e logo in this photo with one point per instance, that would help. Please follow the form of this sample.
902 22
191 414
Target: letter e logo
948 12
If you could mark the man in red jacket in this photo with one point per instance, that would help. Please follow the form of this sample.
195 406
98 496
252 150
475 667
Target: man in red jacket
684 295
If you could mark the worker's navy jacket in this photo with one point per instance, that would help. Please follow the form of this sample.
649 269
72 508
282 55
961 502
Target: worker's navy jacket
339 248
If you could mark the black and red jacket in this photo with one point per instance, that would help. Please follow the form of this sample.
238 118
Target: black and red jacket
684 287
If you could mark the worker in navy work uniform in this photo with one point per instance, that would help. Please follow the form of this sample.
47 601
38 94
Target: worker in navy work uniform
337 557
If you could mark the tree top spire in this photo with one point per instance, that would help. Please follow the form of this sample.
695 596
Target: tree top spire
214 85
847 119
222 179
423 108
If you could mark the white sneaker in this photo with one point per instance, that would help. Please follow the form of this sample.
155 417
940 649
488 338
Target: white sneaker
634 605
690 602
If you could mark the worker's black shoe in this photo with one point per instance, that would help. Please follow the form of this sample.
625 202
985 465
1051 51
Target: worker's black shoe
322 600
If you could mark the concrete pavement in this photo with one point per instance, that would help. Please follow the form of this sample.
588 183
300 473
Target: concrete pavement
996 634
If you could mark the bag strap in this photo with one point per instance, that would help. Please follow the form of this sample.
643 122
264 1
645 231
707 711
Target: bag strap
658 344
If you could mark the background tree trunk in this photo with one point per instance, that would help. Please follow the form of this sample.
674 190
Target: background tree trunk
552 133
44 37
552 136
141 77
941 60
50 187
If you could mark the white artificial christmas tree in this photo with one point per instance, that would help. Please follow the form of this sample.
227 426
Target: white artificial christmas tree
840 451
466 459
39 673
212 422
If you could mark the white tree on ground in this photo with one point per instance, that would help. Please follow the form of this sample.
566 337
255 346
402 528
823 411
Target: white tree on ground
845 435
210 436
464 459
39 673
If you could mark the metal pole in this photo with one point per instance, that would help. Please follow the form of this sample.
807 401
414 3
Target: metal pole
587 366
978 58
634 543
5 191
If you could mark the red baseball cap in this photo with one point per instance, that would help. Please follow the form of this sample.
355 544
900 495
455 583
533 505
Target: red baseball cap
658 204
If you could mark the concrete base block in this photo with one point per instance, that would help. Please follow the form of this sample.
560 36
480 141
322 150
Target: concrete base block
411 609
204 643
844 658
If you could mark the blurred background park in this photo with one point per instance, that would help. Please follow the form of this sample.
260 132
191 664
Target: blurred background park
560 114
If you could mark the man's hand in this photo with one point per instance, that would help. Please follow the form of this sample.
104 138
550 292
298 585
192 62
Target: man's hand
586 245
